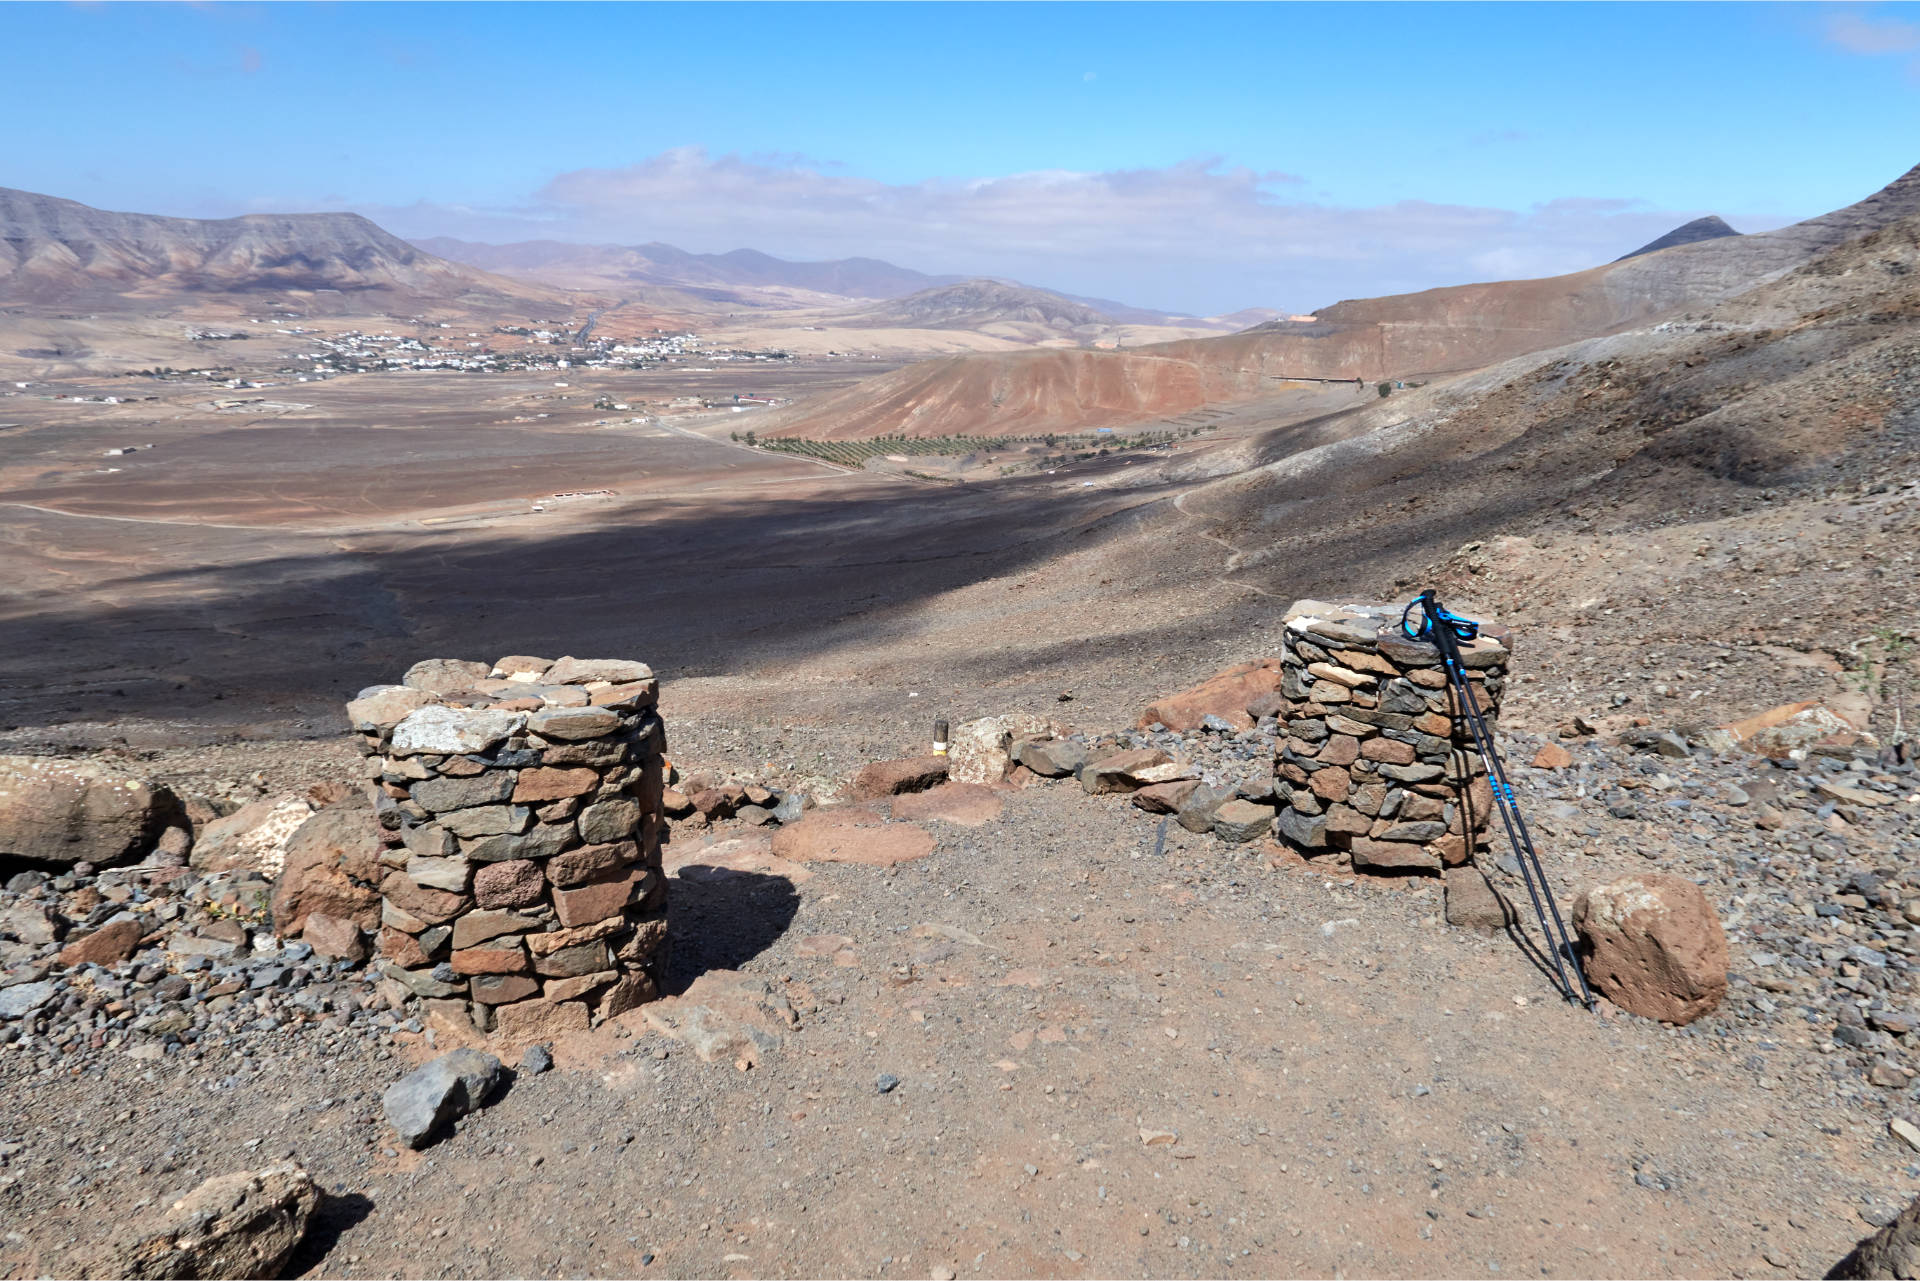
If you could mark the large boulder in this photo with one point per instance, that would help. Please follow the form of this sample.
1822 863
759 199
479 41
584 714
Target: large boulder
1653 946
236 1225
253 837
330 865
1893 1251
439 1092
67 811
1226 695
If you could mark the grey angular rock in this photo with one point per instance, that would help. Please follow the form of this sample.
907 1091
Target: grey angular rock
487 820
24 998
571 724
613 819
423 983
439 794
1307 831
31 923
450 874
1196 814
535 1059
542 841
1050 757
438 1092
1415 773
1337 631
1241 821
428 840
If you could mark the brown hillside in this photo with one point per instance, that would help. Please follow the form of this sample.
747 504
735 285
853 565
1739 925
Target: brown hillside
1020 393
1436 331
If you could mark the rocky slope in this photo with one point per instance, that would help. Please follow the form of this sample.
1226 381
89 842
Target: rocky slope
61 251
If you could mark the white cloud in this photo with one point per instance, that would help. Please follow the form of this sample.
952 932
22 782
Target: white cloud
1201 234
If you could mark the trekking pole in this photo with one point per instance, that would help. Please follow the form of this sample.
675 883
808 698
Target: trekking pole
1445 631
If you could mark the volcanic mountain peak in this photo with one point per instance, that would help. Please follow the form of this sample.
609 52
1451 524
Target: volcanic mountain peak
1711 227
55 249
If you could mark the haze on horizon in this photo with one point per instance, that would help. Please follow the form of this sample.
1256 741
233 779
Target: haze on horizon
1194 157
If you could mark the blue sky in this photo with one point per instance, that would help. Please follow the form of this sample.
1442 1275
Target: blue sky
1194 156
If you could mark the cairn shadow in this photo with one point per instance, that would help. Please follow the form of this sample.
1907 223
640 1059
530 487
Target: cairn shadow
1510 924
720 918
338 1212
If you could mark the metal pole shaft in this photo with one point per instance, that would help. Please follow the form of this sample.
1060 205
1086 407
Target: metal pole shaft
1532 870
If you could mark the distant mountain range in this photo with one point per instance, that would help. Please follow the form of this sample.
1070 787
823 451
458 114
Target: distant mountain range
720 275
749 278
61 251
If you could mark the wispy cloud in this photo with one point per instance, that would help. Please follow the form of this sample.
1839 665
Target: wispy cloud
1201 234
1857 33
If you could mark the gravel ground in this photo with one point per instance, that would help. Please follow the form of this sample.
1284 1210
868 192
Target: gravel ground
1196 1061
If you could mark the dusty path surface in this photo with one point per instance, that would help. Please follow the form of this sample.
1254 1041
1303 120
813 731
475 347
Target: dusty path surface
1111 1061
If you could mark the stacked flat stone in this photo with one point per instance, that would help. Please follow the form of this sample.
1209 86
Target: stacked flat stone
1374 764
521 805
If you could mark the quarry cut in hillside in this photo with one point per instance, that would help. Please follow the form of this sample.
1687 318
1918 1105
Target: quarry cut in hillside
1434 332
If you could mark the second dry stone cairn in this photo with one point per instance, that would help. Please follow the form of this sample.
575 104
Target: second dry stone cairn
520 803
1374 764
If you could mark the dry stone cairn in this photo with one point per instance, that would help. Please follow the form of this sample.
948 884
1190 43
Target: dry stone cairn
1372 765
521 808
